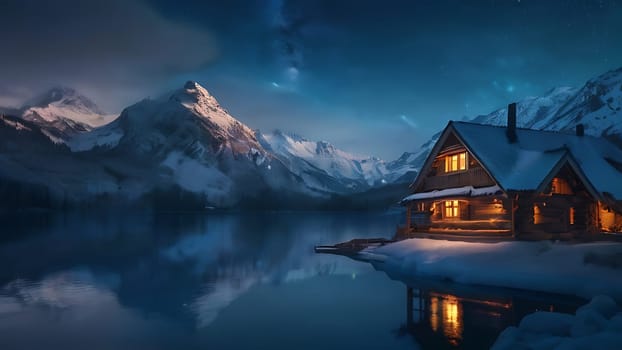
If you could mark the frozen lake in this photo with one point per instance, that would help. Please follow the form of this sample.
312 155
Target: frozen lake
229 281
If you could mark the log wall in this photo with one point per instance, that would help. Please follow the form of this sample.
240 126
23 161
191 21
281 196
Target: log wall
480 213
534 214
553 213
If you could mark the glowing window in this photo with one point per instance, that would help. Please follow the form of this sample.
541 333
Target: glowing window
560 186
456 162
421 206
452 209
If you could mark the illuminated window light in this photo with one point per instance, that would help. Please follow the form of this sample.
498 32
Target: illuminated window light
452 209
456 162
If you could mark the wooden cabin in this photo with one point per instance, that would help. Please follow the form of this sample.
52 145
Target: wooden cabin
496 180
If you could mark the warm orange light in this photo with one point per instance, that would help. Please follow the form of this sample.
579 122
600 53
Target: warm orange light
434 319
536 214
456 162
452 209
560 186
452 319
607 217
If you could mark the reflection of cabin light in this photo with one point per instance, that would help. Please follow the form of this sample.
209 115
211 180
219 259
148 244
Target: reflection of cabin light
434 313
452 319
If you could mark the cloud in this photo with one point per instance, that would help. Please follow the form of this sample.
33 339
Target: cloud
96 46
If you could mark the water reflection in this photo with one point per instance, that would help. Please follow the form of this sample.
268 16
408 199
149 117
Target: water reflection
451 321
164 282
449 316
76 281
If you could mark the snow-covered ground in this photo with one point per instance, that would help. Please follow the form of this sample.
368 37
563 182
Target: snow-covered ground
597 325
584 270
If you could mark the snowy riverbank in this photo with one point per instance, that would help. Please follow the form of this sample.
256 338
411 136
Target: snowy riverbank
585 270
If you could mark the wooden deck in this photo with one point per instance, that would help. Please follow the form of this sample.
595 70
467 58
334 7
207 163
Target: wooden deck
352 247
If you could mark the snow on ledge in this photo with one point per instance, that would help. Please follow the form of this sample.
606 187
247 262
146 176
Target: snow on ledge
584 270
466 191
597 325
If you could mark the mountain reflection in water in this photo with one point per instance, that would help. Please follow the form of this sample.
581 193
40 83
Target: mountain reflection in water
228 281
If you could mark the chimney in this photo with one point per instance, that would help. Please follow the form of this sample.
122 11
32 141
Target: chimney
511 131
580 130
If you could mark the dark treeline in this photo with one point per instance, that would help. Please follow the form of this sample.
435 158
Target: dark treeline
19 196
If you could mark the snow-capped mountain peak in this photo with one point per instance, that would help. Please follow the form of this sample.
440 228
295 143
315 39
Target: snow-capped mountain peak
312 160
64 104
200 102
193 93
63 94
597 105
324 148
62 113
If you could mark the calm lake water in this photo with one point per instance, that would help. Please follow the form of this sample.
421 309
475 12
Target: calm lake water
229 281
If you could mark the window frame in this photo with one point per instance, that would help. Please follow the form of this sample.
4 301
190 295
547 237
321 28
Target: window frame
456 162
451 209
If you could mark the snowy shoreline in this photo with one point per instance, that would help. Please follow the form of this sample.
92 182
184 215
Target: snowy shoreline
596 325
585 270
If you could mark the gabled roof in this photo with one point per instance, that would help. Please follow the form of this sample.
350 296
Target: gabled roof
526 164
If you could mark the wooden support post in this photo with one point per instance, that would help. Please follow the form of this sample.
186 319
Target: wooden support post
408 216
514 209
409 306
599 228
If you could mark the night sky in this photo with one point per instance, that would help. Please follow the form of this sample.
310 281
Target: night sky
372 77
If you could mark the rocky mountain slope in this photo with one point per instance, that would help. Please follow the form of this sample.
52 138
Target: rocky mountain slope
184 145
320 163
63 113
597 105
184 140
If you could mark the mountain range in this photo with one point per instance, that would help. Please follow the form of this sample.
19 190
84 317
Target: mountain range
597 105
184 150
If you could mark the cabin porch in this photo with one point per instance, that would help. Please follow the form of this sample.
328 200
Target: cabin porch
460 215
526 216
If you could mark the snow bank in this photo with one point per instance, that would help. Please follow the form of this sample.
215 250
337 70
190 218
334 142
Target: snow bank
585 270
597 325
468 191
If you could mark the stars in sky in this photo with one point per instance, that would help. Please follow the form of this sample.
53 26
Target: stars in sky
371 77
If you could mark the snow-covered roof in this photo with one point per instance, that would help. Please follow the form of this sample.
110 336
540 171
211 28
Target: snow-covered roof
466 191
524 165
